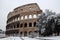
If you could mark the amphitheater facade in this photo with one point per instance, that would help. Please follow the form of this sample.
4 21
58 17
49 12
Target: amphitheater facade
22 20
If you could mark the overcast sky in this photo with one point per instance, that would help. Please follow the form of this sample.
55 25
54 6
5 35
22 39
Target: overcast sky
8 5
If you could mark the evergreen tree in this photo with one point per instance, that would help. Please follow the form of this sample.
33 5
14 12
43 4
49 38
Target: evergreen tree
45 21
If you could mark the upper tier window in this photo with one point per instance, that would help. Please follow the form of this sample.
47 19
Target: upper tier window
21 17
15 19
18 18
26 17
30 16
34 16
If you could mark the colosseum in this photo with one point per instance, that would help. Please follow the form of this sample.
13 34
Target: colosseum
22 20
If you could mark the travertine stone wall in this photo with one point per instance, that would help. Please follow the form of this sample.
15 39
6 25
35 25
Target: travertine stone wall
22 20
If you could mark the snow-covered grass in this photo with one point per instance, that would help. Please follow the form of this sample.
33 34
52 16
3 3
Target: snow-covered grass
27 38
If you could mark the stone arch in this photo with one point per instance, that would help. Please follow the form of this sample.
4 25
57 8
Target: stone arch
18 18
25 25
30 24
30 32
25 33
21 33
34 16
26 17
34 24
21 17
21 25
30 16
17 25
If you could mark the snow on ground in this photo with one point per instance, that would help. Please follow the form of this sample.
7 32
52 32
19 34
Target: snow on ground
18 38
51 38
27 38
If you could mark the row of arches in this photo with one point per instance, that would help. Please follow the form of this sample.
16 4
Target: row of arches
28 24
20 25
13 20
25 33
23 18
28 16
13 26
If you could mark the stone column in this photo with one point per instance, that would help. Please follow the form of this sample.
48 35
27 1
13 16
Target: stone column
32 24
